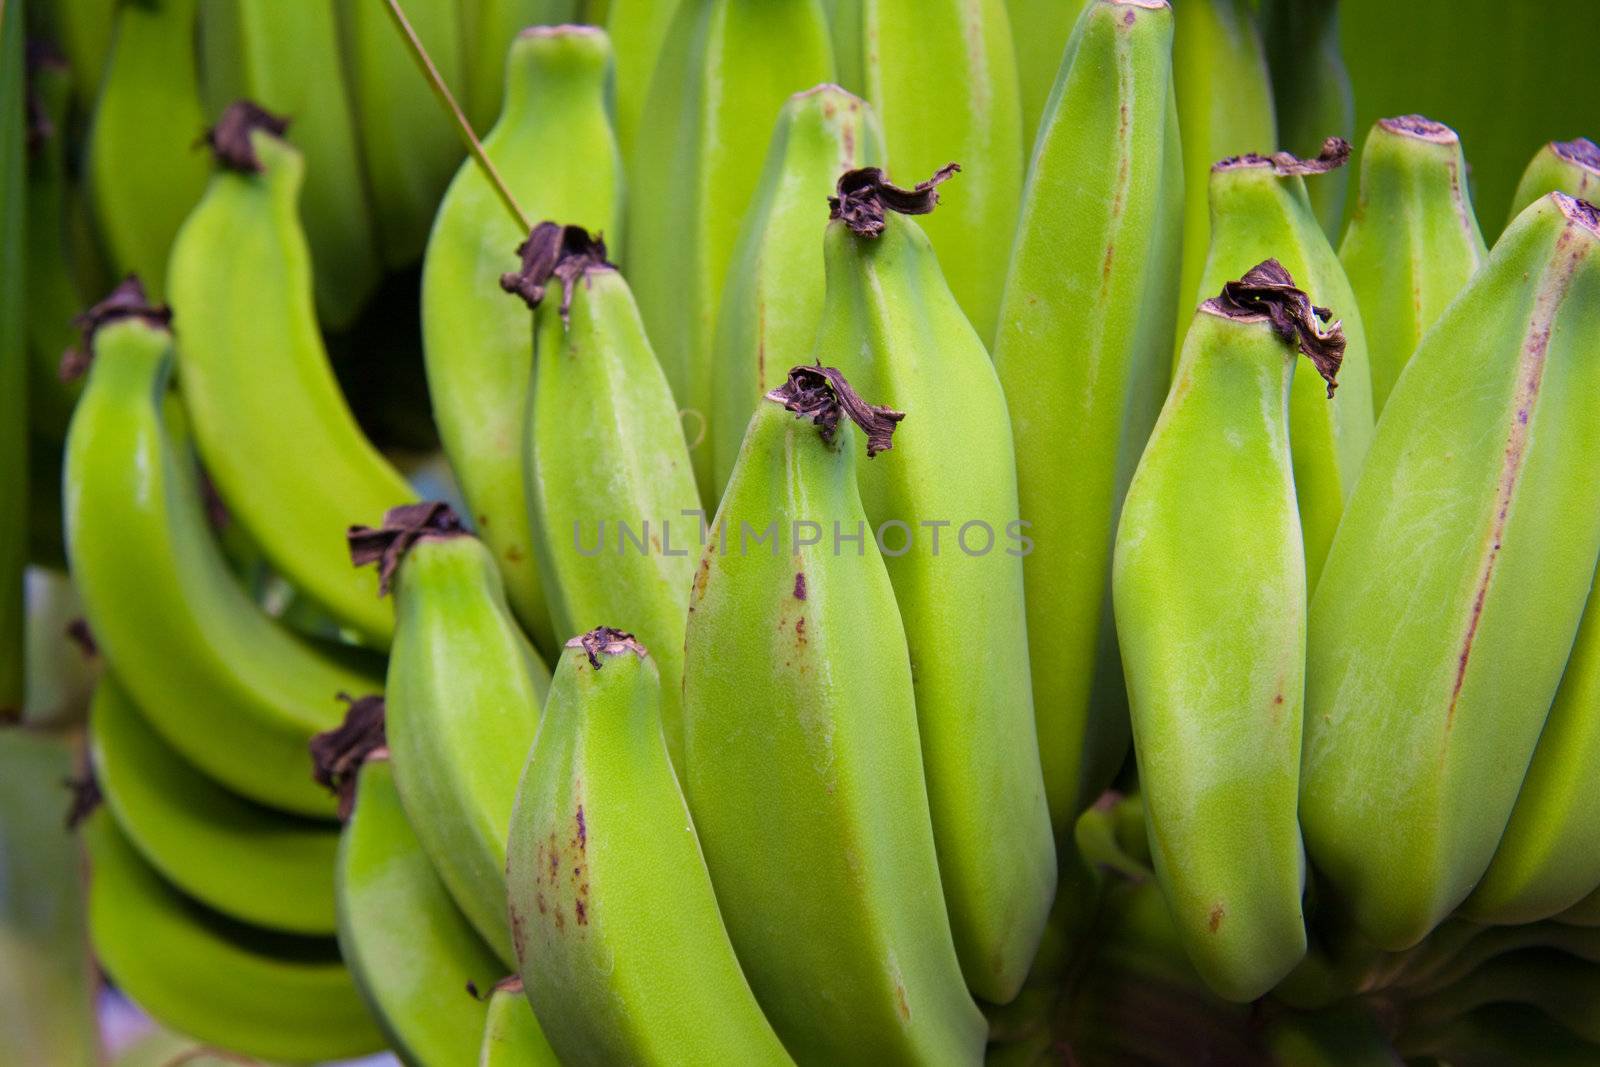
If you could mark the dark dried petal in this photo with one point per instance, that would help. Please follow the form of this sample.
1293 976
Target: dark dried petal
126 301
863 196
607 641
230 137
566 253
77 631
1267 289
337 754
1335 154
85 798
40 55
822 395
402 527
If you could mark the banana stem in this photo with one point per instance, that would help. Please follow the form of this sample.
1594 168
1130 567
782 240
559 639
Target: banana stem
442 91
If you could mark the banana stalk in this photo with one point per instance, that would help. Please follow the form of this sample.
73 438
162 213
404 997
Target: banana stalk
1311 94
1571 167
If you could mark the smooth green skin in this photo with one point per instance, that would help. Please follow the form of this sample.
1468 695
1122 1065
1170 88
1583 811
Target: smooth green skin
1546 861
942 77
1585 912
1215 653
804 767
47 983
511 1033
725 69
487 29
1256 215
144 174
463 698
1488 942
1219 74
1455 586
214 846
265 405
554 149
1412 244
892 325
409 948
1311 94
775 288
14 307
240 988
604 447
285 57
601 837
1082 352
1040 30
235 692
409 143
1551 171
637 29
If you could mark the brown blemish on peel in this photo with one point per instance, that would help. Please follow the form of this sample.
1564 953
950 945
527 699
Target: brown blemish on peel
583 830
901 1004
1215 921
799 585
1419 128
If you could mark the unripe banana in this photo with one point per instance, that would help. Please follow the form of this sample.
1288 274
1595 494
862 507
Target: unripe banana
1215 654
511 1033
725 69
1496 1034
1549 856
487 30
942 77
600 836
13 368
408 143
1565 988
47 983
286 58
1413 241
463 692
256 380
1311 95
414 956
1470 544
1585 912
1040 30
1259 210
898 333
214 846
237 987
1571 167
605 459
774 294
554 149
802 761
233 691
143 172
1219 73
1488 942
637 29
1083 351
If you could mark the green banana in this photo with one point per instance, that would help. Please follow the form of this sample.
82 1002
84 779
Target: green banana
775 287
409 145
897 332
1497 1034
1413 241
464 691
229 688
1219 74
1215 652
143 173
1454 589
554 149
813 815
1259 210
286 57
1312 99
600 835
637 29
214 846
511 1034
256 380
1489 942
1565 988
942 77
1585 912
1082 352
14 305
1547 859
47 983
487 29
414 956
605 452
1571 167
240 988
1040 30
724 71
